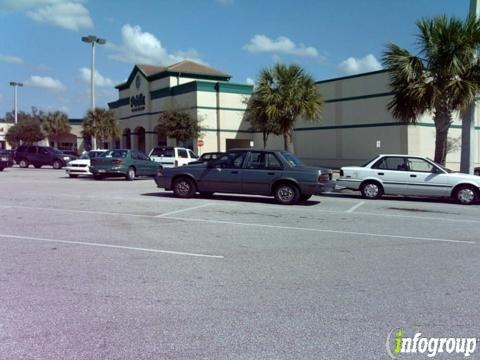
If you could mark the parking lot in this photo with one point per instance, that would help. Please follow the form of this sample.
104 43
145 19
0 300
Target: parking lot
122 270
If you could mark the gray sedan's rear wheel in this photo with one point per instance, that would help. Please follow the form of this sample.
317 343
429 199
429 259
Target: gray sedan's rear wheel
287 194
466 195
184 187
371 190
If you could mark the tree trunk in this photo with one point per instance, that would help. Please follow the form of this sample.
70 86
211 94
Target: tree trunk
288 141
265 138
442 120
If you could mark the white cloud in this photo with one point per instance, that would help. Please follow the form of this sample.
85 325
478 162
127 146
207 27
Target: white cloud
45 82
250 81
139 47
67 14
356 66
11 59
280 45
100 80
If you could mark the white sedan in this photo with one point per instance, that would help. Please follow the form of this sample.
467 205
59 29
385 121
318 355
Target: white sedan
81 165
411 176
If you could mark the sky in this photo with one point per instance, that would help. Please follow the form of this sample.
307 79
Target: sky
40 41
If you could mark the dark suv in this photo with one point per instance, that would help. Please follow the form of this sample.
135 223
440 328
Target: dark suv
39 156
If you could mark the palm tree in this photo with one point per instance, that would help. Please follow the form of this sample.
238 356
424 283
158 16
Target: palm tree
179 125
55 125
102 124
288 93
441 79
259 120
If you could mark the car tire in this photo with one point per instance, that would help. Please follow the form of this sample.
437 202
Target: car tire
465 194
287 194
371 190
184 187
57 164
73 176
304 198
1 168
130 175
23 163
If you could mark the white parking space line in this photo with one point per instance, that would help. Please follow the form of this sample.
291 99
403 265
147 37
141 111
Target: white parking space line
355 207
357 213
109 246
322 230
183 210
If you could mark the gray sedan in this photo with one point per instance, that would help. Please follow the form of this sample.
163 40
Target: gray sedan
248 171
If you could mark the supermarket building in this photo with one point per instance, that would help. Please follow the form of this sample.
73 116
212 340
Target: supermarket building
355 123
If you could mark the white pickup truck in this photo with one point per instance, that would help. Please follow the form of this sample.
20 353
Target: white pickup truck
169 156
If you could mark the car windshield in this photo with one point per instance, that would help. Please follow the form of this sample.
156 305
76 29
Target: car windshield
165 152
292 159
115 154
94 154
85 156
441 166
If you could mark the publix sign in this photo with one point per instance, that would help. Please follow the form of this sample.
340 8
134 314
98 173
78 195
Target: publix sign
137 103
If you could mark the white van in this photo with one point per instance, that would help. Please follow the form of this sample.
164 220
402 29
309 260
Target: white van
169 156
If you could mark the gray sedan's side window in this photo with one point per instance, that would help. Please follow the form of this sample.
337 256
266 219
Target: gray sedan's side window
391 163
273 163
419 165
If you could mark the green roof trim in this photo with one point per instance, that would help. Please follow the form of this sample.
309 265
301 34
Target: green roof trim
235 88
352 76
118 103
361 97
205 86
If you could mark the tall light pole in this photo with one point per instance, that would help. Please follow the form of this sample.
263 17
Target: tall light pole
467 157
92 39
15 85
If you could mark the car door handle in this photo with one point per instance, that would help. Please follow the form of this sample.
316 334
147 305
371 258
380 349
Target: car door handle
381 174
413 175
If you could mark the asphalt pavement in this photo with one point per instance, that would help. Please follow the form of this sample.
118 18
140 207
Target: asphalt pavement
122 270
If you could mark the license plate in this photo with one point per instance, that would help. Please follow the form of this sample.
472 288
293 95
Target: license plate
101 171
4 159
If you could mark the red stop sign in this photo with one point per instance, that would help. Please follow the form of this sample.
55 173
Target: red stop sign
200 143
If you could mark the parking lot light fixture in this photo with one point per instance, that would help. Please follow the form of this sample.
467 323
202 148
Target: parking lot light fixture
92 39
15 85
